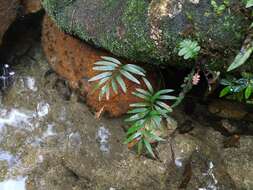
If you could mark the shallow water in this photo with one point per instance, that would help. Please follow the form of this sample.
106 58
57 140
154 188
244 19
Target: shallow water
36 124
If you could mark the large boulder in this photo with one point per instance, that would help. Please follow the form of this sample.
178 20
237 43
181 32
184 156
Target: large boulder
150 31
8 12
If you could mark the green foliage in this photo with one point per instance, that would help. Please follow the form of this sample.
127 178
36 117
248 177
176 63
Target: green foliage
189 49
111 76
146 117
238 89
248 3
241 58
219 9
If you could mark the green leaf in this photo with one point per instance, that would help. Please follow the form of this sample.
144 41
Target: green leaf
140 104
137 110
163 105
221 9
153 136
111 59
225 91
149 148
251 26
225 82
138 68
100 76
101 82
188 49
104 68
240 59
102 92
249 3
114 86
248 92
165 91
132 137
159 93
157 120
237 89
161 111
134 128
149 86
137 116
134 69
106 63
167 97
129 76
142 96
146 93
121 83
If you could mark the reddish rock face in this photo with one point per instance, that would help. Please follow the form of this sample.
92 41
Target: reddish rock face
31 6
8 11
73 60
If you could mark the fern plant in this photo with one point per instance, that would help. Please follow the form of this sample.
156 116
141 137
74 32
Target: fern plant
146 117
111 76
188 49
238 89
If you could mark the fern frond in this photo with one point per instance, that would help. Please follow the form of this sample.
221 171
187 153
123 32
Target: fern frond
112 75
189 49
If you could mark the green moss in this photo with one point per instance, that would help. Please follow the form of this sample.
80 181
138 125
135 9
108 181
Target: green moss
124 28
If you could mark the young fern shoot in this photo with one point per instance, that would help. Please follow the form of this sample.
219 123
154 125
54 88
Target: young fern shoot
111 76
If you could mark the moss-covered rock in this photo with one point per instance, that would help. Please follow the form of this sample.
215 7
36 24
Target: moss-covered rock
150 30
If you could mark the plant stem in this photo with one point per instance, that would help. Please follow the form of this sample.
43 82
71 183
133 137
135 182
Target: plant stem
187 88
